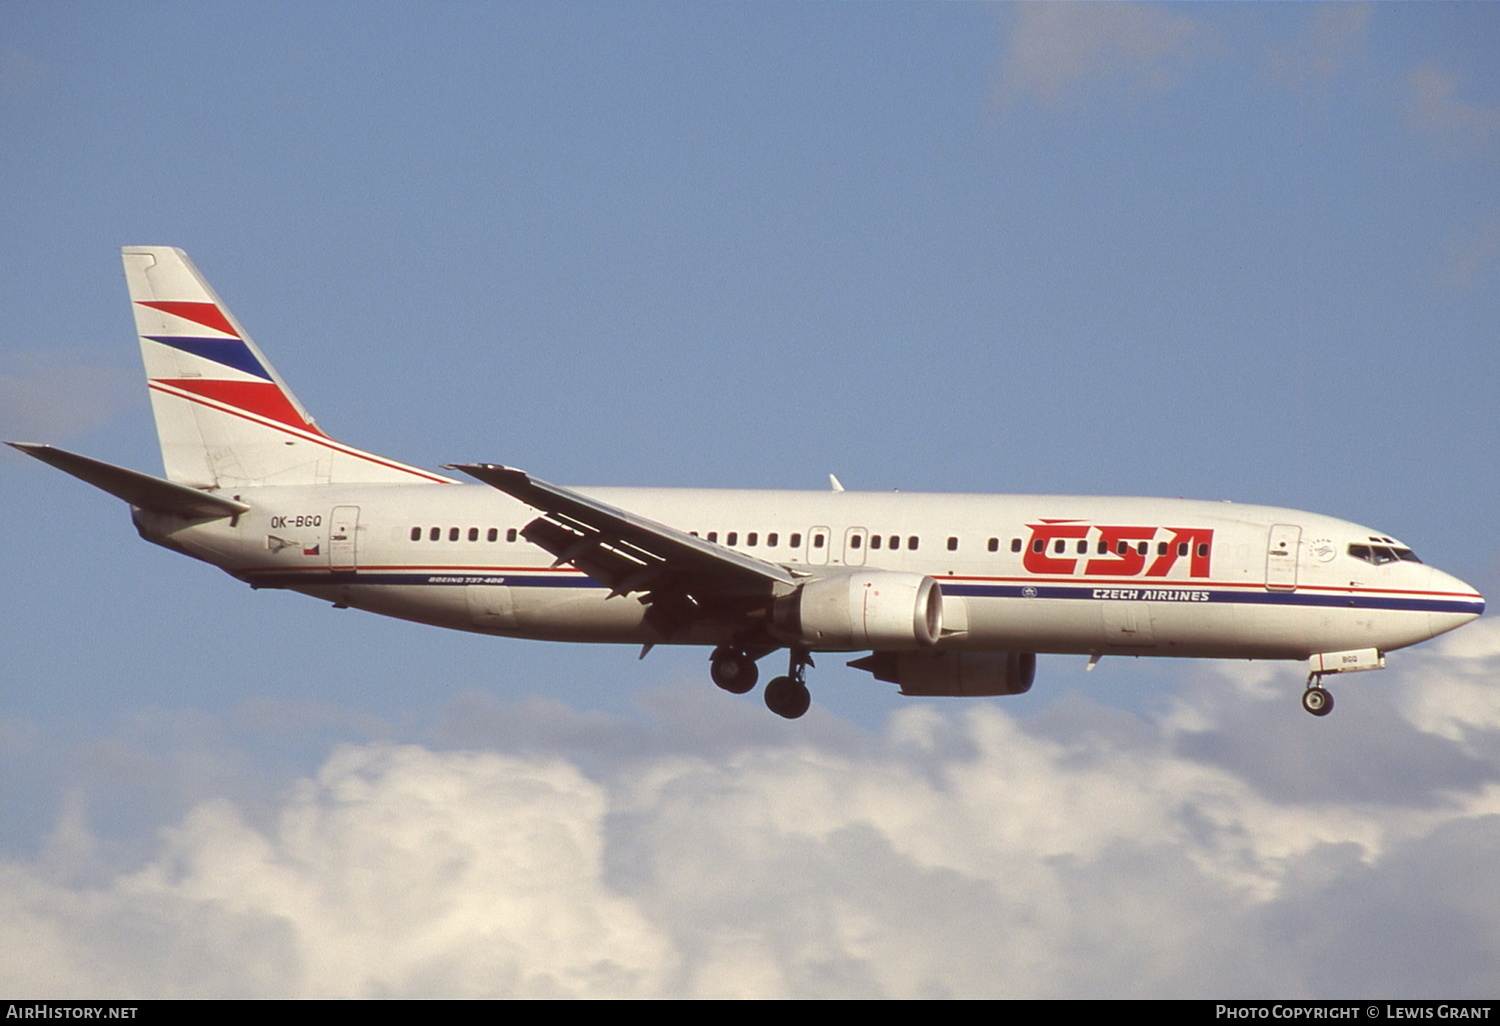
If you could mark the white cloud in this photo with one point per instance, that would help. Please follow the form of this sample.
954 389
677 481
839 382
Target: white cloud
1454 693
50 402
1455 127
1472 255
1331 39
1056 53
398 871
1229 846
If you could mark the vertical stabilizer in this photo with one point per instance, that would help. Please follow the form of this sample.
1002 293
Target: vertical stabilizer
224 416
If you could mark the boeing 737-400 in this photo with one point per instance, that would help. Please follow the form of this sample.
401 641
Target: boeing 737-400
949 594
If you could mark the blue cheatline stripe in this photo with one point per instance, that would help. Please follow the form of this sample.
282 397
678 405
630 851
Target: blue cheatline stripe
1179 594
231 352
425 578
1190 595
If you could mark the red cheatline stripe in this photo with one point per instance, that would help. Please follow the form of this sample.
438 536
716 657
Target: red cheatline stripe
206 314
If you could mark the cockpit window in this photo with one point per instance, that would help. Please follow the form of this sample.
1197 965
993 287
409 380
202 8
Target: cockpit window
1379 555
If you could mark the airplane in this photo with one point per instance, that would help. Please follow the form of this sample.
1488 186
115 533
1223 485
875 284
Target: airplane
950 594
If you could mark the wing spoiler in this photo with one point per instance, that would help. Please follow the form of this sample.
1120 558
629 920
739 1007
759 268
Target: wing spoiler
138 489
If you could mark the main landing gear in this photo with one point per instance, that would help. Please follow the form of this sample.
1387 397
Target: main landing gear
734 670
1317 699
788 696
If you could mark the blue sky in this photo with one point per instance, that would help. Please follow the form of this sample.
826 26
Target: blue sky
1222 251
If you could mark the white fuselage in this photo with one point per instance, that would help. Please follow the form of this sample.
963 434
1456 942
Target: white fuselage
1049 574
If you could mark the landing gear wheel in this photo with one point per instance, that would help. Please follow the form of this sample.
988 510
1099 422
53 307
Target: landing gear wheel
1318 701
733 671
787 698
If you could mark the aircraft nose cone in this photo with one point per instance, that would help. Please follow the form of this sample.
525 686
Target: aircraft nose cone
1456 603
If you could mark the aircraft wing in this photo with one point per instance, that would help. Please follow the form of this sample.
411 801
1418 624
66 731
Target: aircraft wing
625 551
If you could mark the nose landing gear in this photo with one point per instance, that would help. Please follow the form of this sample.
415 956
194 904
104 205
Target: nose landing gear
1317 699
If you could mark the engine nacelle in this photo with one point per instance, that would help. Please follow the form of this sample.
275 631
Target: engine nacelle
953 674
868 609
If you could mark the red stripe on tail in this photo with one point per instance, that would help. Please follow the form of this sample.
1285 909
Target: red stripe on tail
206 314
262 398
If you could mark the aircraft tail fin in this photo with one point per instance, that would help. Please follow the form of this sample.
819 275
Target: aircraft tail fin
224 417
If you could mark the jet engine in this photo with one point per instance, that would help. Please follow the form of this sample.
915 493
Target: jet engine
865 609
953 674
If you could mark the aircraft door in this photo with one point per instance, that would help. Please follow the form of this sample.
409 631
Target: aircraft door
855 540
1281 557
343 526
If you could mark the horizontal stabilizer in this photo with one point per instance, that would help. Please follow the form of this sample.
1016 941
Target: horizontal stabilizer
138 489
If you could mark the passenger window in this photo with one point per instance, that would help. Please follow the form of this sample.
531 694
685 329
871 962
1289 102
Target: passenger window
771 540
1182 548
911 543
874 541
1038 545
1059 546
510 535
1103 547
952 544
1143 548
1202 548
750 539
994 545
817 541
1015 545
895 542
1123 548
473 534
796 541
1161 548
493 534
435 534
416 534
854 541
733 538
1083 548
453 534
713 536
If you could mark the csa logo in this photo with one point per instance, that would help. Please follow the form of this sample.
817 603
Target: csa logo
1071 547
